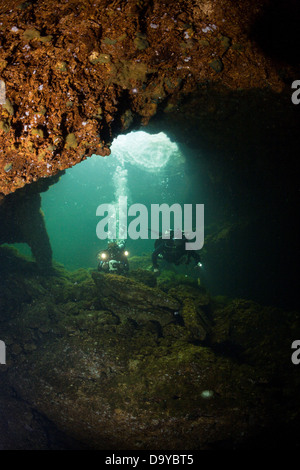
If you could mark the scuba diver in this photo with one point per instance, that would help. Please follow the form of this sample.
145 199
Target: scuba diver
114 260
173 250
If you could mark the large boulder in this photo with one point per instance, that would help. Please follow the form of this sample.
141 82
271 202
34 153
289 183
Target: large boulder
129 298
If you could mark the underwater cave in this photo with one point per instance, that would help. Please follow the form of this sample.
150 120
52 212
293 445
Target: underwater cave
132 342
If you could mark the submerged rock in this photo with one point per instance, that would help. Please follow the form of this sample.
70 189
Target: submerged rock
22 221
129 298
193 321
144 276
107 364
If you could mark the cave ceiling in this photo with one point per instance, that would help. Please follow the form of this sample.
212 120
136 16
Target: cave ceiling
78 73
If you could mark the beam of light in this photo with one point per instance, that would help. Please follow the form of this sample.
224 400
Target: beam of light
150 152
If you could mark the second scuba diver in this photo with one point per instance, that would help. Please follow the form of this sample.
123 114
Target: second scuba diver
173 250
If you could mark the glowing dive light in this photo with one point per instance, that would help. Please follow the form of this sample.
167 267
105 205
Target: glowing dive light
126 253
103 255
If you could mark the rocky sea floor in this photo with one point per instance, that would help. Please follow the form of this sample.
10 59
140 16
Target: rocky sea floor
102 361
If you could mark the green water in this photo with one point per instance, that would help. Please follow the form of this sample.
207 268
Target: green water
70 205
242 254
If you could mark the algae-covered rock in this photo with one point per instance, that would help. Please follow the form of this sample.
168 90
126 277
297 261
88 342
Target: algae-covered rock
217 65
196 311
97 58
119 375
61 66
38 133
31 34
225 43
46 39
170 280
3 64
192 321
128 290
9 107
144 276
8 167
141 42
71 141
257 334
129 298
5 126
109 41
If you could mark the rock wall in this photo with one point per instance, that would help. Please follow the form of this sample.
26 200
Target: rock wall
22 221
77 73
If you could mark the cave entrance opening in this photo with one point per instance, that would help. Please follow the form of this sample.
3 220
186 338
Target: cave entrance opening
147 168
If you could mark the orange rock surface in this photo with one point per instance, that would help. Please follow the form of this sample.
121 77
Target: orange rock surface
77 73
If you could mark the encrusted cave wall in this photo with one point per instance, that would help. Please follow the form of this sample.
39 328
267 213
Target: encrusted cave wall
77 73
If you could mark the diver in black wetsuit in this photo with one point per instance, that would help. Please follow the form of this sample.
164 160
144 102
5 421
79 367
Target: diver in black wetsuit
173 250
114 260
